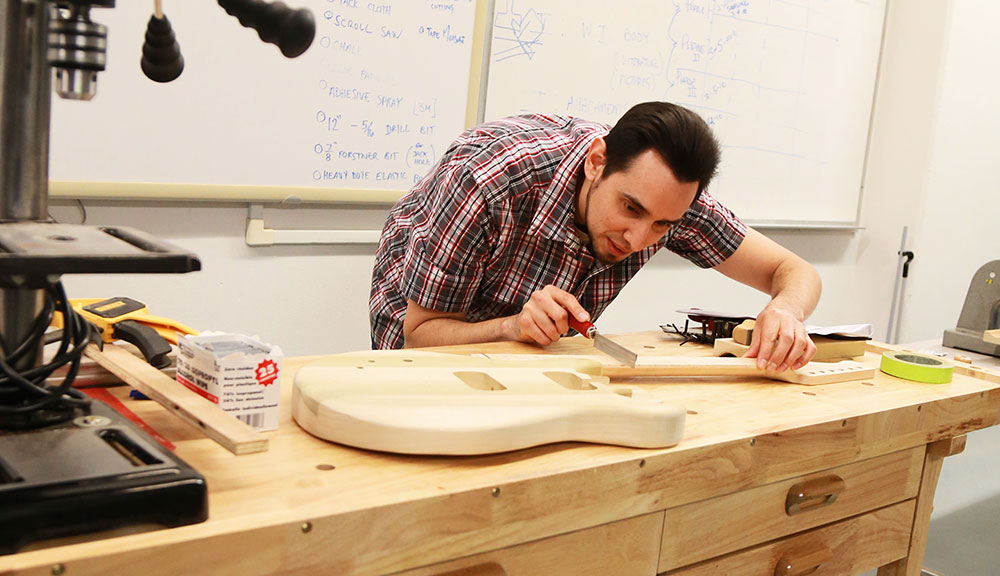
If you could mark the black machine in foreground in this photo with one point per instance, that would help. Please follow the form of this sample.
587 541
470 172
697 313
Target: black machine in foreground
70 464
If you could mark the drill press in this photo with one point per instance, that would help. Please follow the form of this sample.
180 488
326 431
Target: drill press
70 464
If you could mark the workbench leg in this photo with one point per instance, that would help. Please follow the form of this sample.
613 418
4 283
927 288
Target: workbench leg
933 459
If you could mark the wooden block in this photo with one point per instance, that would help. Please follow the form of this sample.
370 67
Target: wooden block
992 336
836 348
205 416
948 446
417 402
724 346
744 332
827 349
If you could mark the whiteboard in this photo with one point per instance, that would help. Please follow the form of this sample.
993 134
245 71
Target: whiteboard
377 97
787 85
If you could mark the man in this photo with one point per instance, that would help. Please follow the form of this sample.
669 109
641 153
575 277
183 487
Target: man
527 220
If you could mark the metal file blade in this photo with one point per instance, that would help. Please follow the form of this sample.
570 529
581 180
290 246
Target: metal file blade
615 350
603 343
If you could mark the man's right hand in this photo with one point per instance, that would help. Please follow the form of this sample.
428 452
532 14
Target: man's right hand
545 317
542 320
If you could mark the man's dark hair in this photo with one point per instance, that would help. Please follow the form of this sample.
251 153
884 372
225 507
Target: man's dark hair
681 138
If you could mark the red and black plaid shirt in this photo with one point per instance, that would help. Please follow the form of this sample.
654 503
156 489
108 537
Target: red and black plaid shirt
493 222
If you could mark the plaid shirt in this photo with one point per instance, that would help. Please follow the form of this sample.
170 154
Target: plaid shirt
494 222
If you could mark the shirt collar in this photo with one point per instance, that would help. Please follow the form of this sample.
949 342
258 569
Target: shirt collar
554 218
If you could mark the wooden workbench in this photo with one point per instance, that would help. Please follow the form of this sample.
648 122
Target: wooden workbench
714 504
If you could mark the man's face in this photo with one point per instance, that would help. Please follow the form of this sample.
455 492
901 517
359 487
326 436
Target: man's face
631 209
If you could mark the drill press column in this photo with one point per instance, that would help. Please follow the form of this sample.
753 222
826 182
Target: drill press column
25 101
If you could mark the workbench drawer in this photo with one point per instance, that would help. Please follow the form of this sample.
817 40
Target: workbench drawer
710 528
847 547
623 548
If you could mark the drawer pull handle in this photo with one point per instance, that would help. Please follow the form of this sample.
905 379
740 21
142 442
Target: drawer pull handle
485 569
813 494
802 564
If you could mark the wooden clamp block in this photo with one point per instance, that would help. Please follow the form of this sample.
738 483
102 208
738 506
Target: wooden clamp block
208 418
827 349
744 332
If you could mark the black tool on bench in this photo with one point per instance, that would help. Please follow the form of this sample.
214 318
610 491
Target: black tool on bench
126 319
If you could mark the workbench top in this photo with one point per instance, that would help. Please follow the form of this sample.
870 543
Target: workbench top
307 505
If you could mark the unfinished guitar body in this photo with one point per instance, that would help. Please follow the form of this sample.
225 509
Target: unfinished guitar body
426 403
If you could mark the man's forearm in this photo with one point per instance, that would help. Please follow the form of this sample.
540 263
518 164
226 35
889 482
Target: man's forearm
448 331
796 286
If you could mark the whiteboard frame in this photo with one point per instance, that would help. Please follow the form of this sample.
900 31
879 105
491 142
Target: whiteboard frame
243 193
871 114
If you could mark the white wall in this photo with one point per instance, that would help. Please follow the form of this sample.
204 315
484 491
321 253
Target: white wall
306 299
961 207
902 138
962 204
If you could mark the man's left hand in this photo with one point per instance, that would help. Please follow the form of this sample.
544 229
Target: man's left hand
780 341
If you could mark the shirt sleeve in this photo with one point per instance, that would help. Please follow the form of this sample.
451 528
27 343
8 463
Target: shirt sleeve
708 233
445 258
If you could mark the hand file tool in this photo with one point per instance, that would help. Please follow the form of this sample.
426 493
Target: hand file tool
603 343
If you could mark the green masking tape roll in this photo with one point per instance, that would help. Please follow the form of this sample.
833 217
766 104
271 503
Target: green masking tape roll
916 367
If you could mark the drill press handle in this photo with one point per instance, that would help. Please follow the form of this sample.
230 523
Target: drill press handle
292 30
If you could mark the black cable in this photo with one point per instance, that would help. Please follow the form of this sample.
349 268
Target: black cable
41 323
26 399
689 336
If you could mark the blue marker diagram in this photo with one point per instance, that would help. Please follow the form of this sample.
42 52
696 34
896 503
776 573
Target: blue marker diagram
516 33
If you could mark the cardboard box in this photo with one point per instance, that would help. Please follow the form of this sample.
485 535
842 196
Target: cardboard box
239 373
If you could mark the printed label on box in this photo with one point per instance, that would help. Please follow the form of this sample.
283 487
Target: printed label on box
239 373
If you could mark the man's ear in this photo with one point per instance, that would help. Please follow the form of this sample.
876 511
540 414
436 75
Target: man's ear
597 157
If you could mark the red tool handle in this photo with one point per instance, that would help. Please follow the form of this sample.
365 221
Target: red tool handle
587 329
